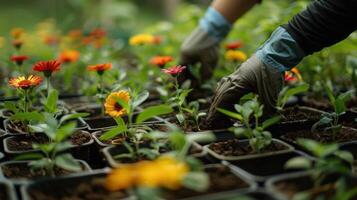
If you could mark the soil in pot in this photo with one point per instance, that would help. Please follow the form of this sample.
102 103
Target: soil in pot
345 135
22 170
297 114
233 147
221 179
16 127
349 119
318 103
25 142
92 189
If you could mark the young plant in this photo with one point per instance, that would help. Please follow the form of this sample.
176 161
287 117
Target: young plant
288 92
48 68
330 161
258 137
171 171
119 104
52 154
339 106
179 99
100 69
194 113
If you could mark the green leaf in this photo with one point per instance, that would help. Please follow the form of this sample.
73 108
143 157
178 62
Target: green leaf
28 116
180 117
120 121
287 92
267 123
11 106
231 114
39 128
62 147
153 111
72 116
330 94
177 140
29 156
345 155
65 131
40 164
51 102
124 104
197 181
340 102
183 95
113 132
67 162
140 99
298 163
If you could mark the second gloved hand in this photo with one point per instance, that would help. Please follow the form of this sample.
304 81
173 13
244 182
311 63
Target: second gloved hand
201 48
252 76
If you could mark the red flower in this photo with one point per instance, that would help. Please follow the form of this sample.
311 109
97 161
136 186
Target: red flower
47 67
19 59
160 61
100 68
174 70
234 45
98 33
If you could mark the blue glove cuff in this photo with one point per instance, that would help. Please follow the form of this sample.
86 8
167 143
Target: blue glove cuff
215 24
280 51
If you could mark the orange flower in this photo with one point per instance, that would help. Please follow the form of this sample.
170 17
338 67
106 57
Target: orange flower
111 105
17 44
51 40
121 178
47 67
16 33
25 83
68 56
19 59
293 75
100 68
161 61
157 39
234 45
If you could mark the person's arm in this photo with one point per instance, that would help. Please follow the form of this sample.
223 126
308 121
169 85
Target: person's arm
233 9
321 24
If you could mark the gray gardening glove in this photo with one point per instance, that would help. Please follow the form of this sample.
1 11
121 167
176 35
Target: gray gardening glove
201 48
252 76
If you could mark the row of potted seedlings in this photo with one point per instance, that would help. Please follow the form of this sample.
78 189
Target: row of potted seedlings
50 137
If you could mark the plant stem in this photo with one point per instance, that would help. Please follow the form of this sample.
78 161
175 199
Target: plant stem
101 92
48 81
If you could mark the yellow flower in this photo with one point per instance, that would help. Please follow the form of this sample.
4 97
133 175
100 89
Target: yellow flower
165 172
235 55
16 33
121 178
111 105
141 39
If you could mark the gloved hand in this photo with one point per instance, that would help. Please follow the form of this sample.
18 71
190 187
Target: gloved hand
252 76
201 48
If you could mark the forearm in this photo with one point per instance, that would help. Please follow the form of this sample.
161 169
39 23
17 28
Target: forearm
323 23
233 9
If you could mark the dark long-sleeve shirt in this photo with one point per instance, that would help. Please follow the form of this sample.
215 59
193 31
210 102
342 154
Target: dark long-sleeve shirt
323 23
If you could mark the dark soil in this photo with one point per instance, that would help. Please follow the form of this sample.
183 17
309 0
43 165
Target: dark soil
345 135
221 179
85 190
16 127
3 192
22 170
297 114
321 104
100 122
25 142
352 103
233 147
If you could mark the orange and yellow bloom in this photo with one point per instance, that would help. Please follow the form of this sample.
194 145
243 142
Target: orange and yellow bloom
112 107
24 83
235 55
16 33
166 172
68 56
100 68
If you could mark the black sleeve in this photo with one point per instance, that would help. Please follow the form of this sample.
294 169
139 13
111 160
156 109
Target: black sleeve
323 23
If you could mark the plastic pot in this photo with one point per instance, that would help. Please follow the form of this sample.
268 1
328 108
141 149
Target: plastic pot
20 181
7 190
258 170
78 151
245 142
